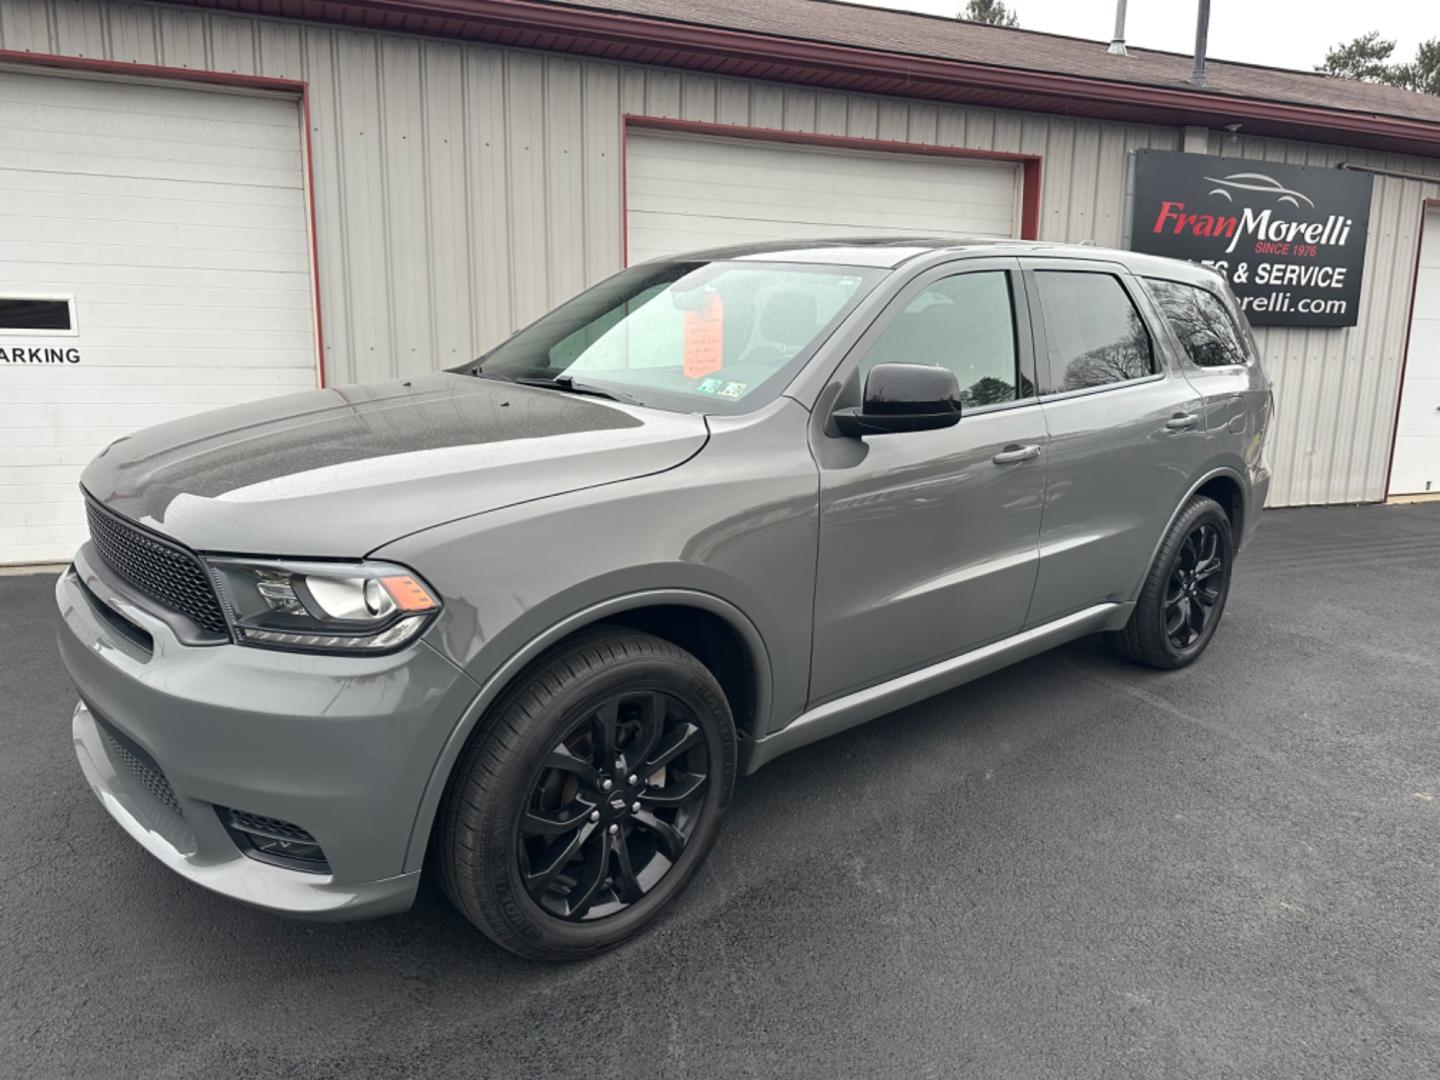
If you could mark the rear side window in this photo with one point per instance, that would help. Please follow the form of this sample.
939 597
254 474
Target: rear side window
1095 335
965 323
1201 322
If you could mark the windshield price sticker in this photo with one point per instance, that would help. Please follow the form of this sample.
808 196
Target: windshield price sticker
1289 238
705 338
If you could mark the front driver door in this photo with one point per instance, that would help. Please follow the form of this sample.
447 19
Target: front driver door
928 540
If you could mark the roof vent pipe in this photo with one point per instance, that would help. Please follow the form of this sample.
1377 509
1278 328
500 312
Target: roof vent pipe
1202 33
1117 43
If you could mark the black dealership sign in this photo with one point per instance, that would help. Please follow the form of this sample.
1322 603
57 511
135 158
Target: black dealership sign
1291 238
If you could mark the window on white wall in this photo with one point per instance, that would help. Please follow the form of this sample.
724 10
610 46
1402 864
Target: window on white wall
37 315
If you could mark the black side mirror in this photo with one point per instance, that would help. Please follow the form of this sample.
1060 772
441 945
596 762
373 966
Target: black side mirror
903 397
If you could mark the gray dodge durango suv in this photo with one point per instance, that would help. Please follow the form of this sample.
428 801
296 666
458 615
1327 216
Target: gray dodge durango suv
531 618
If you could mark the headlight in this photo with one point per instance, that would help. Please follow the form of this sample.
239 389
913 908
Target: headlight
324 607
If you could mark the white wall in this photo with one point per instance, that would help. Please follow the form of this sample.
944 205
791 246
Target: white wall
1337 389
463 189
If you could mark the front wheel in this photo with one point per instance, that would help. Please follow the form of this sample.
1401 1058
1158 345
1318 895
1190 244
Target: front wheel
590 798
1184 593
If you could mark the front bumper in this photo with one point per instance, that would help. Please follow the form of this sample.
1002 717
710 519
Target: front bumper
340 745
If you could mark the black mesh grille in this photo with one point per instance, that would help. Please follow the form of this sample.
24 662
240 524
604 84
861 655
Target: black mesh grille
144 769
271 840
167 573
269 826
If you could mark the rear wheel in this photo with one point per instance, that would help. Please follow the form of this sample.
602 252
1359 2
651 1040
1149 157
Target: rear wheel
1184 593
590 798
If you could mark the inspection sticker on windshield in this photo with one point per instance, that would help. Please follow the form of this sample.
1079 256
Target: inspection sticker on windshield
733 389
710 386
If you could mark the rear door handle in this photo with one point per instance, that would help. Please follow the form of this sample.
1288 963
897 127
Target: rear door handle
1011 454
1182 421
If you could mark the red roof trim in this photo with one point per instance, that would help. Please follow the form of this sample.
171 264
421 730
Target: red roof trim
638 39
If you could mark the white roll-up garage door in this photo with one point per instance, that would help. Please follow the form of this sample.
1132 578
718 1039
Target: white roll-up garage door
685 192
154 261
1415 469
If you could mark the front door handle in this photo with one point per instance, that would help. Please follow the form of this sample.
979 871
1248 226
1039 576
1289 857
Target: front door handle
1182 421
1013 453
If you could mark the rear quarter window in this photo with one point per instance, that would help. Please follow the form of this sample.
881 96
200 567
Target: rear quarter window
1201 322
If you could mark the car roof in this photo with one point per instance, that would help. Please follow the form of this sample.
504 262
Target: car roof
890 252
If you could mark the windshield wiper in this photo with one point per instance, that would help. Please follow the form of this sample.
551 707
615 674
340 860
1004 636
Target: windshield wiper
567 384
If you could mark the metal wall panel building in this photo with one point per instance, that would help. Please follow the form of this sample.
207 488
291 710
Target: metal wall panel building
1337 389
461 190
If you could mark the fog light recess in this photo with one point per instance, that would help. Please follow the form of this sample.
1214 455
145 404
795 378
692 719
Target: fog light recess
270 840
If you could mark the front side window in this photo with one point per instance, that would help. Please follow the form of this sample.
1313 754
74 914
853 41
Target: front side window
1095 335
694 337
1201 322
965 323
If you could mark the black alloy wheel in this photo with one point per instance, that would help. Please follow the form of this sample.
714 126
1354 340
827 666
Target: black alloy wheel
588 796
613 806
1196 585
1183 595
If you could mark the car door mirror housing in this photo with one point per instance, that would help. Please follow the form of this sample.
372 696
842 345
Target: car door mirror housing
903 397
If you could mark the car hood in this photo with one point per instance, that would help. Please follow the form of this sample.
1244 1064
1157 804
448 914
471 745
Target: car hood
341 471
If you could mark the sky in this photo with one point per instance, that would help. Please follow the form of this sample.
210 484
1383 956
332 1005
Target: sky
1277 33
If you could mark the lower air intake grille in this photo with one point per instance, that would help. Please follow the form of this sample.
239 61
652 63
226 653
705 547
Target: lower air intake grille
167 573
270 840
142 766
269 826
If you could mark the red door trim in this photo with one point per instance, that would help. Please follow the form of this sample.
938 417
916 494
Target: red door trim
1426 205
298 87
1029 174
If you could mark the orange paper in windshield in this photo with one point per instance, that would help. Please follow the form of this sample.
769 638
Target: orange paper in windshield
705 338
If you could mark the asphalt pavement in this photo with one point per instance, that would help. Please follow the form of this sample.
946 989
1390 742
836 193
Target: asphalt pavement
1073 868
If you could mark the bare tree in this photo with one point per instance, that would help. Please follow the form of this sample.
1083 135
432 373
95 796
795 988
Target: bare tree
1128 357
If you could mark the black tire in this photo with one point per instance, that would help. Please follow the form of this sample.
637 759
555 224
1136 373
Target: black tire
1178 584
492 868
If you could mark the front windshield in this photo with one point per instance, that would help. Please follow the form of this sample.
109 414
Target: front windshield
685 335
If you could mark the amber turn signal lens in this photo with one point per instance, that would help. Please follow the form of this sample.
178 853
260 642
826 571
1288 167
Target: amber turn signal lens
409 594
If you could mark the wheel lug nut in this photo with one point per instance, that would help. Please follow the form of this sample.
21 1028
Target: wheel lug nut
614 829
635 808
606 785
632 778
594 815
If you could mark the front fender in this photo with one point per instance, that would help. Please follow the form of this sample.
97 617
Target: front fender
516 662
734 531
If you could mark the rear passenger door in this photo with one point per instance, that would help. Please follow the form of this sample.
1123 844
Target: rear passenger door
1218 357
1127 433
